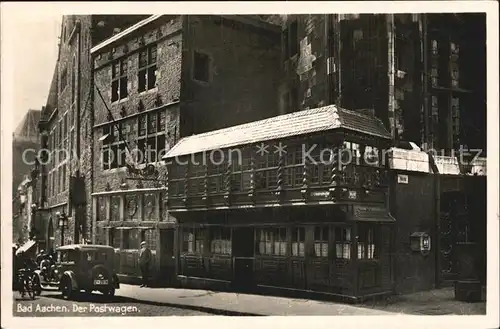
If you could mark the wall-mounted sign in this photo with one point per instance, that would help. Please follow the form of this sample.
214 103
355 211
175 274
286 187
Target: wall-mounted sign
402 179
353 195
322 194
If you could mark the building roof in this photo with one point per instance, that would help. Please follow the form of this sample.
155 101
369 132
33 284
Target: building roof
124 33
294 124
28 127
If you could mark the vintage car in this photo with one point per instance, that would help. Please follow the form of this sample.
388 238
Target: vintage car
83 267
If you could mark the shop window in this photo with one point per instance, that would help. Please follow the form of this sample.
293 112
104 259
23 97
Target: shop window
220 240
321 241
272 241
147 68
193 240
298 239
201 67
119 80
343 242
366 242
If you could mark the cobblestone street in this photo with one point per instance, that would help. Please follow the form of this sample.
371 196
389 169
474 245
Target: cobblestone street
52 304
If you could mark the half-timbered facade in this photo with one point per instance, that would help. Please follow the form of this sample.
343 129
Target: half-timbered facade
297 201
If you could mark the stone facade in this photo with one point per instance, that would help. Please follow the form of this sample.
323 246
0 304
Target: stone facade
66 126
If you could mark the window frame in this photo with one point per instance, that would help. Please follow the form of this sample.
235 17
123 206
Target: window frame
149 69
119 79
208 58
320 241
158 134
266 237
220 240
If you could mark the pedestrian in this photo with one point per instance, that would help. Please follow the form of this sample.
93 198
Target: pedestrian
144 263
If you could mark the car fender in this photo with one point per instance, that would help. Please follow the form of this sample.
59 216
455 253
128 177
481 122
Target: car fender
38 274
69 275
116 281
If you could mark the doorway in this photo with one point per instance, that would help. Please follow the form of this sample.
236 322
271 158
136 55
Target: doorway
167 257
243 257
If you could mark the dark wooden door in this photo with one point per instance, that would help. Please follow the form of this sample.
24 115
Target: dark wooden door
243 257
167 258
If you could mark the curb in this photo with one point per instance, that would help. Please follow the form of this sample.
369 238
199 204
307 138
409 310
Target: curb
204 309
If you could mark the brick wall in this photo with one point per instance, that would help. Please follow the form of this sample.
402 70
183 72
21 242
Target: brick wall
244 73
164 97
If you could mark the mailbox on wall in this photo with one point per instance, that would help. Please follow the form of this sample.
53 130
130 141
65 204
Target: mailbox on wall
420 241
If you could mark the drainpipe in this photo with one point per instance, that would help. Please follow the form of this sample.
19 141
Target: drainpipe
328 92
77 125
91 91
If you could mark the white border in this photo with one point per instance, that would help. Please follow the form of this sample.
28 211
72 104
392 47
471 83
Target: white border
10 12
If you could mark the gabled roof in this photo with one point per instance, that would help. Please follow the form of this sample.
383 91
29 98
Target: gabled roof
28 127
294 124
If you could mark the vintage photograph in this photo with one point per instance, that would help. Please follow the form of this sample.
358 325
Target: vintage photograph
256 165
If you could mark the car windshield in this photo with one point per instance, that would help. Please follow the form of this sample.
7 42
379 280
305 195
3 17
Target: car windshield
67 256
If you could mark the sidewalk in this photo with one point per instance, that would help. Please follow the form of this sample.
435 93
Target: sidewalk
240 304
433 302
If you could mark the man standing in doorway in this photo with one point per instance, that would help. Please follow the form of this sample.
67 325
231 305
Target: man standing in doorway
144 262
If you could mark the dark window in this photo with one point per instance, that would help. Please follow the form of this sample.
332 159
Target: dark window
343 242
220 240
272 241
119 81
193 240
321 241
147 68
113 149
64 79
201 70
366 242
151 136
298 238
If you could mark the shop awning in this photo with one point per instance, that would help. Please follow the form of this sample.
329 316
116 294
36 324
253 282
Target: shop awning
282 126
25 247
371 214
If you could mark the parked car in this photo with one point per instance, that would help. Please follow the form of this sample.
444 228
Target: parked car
82 267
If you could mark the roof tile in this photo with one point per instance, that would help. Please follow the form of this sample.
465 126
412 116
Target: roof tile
293 124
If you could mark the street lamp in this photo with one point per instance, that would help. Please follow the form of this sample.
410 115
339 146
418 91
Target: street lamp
62 221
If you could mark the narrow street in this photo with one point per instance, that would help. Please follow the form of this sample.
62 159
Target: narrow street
51 303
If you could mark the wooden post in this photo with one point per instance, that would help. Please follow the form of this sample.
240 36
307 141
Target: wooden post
305 177
279 177
251 192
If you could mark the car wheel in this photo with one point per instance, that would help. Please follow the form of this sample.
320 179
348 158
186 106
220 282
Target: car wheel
37 286
67 289
109 293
